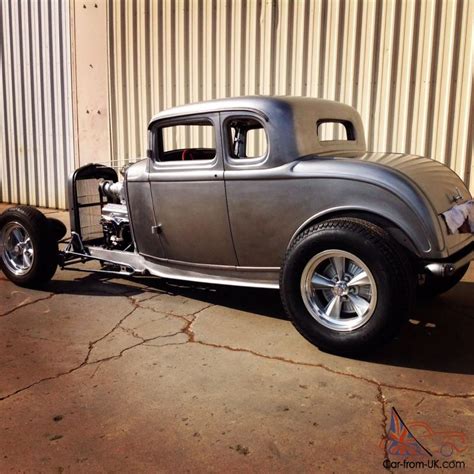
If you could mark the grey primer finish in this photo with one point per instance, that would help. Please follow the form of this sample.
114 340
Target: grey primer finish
231 220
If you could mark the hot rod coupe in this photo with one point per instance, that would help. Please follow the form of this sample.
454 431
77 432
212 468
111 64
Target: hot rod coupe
268 192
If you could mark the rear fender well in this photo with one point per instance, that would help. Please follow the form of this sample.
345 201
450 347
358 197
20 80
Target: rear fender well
399 234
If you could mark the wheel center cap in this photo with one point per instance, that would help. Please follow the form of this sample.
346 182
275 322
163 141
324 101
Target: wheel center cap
340 289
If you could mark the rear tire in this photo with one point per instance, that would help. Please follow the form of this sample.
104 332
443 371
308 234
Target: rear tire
28 247
346 285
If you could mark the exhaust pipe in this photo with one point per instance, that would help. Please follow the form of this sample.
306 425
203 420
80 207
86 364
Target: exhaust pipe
441 269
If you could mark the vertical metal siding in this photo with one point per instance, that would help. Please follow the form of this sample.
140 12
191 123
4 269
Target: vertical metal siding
36 135
406 65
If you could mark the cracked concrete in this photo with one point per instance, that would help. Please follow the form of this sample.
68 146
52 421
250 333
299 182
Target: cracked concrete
100 374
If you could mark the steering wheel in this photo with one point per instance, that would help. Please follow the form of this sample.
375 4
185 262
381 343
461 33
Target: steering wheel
187 155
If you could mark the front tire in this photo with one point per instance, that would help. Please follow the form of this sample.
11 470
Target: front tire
346 285
28 248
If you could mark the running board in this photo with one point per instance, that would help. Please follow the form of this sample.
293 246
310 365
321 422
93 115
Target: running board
217 274
132 263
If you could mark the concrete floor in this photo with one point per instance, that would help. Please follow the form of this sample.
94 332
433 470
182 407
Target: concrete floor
114 375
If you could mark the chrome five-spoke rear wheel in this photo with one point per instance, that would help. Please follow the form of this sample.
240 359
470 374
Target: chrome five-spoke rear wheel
338 290
346 285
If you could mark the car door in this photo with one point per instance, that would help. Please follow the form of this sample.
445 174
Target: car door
257 203
188 192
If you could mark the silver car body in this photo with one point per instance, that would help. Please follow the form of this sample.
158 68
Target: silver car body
231 221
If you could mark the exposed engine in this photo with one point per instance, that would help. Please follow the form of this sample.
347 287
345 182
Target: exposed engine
114 192
114 218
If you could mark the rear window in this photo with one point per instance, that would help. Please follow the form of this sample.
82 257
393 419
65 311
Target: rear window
334 130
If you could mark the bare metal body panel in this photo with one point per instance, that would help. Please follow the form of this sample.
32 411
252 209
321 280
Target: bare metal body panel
435 180
193 215
299 201
234 221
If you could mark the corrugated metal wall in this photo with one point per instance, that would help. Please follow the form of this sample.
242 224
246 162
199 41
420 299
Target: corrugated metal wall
406 65
36 114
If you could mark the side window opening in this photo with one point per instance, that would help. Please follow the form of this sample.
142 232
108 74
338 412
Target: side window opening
334 130
188 141
247 138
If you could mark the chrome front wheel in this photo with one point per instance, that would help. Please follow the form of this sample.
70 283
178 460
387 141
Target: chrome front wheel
16 248
338 290
28 247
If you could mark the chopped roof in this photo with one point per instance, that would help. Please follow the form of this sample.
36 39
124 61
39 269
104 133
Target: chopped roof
262 103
